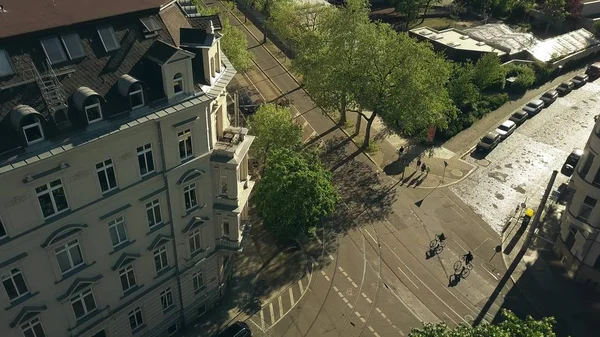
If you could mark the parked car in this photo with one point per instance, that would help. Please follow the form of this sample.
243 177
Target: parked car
237 329
564 88
532 108
488 142
569 166
593 71
519 117
579 80
549 97
506 129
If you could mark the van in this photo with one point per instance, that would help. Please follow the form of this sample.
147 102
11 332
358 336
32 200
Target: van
593 71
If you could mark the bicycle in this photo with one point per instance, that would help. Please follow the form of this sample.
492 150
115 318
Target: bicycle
437 245
464 267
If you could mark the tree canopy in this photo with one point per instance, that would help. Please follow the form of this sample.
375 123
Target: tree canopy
294 194
511 326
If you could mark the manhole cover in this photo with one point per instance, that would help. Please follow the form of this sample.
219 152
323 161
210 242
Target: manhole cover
456 173
483 162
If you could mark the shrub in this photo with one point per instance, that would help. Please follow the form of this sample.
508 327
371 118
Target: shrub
496 100
543 72
525 77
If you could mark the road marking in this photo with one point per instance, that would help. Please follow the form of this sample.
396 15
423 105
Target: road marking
371 236
364 295
341 269
291 296
340 293
354 285
376 334
335 288
368 300
305 123
405 305
327 278
301 286
371 328
262 319
345 299
450 318
280 301
271 311
357 314
461 247
411 281
489 272
345 274
323 273
384 316
362 319
378 310
481 244
331 257
350 279
350 305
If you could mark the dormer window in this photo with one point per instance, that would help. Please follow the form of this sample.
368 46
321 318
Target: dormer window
27 120
89 103
33 131
136 96
93 111
132 89
178 84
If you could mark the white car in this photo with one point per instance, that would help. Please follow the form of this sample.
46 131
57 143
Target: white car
506 129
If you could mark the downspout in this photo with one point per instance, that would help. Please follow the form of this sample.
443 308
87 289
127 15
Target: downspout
172 226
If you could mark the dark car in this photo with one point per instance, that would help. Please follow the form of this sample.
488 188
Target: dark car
519 117
246 104
593 71
237 329
532 108
565 88
549 97
489 142
572 160
580 80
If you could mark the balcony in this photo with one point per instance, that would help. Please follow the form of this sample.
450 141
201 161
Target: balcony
235 245
233 145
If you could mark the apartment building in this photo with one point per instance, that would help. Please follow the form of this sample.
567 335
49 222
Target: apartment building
578 244
123 185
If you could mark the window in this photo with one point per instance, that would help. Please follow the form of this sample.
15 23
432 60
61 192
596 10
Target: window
160 259
2 229
185 144
69 256
127 278
198 280
150 24
153 212
194 240
117 231
586 208
33 132
585 168
106 175
5 64
83 303
223 182
166 298
596 180
52 198
33 328
225 227
135 318
136 97
93 112
73 46
53 49
108 38
145 159
14 284
177 84
189 196
172 330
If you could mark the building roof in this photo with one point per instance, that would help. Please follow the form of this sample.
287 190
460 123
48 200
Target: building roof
456 39
203 22
25 16
503 36
561 46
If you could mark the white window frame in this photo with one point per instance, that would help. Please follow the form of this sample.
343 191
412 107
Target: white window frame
195 241
166 298
183 136
126 271
188 192
133 313
67 249
104 170
140 92
30 326
49 190
10 275
145 149
151 206
3 229
114 224
198 280
31 126
91 106
178 79
80 296
163 256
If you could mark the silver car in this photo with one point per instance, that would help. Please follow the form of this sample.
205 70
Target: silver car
506 129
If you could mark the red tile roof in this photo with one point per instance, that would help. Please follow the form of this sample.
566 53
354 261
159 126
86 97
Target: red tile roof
25 16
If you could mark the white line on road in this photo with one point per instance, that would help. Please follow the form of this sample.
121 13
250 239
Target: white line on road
341 269
489 272
403 303
481 244
345 299
262 319
450 318
357 314
408 278
376 334
362 319
378 310
350 279
461 247
291 296
271 312
364 295
345 274
280 301
384 316
335 288
368 300
301 286
354 285
331 257
327 278
323 273
371 328
371 236
350 305
341 295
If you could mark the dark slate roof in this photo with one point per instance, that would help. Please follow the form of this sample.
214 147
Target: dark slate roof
25 16
162 51
203 22
193 36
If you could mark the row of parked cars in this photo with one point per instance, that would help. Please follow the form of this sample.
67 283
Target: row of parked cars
492 139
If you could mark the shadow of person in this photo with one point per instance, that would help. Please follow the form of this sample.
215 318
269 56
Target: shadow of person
429 254
453 280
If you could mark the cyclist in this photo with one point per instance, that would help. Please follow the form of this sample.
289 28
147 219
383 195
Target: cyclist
441 237
468 257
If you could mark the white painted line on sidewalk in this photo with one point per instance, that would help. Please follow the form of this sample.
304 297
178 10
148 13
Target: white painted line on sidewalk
262 319
291 296
376 334
280 301
408 278
384 316
271 312
450 318
327 278
345 274
331 257
357 314
341 295
401 333
489 272
371 236
350 279
371 328
350 305
345 299
323 273
335 288
368 300
301 286
364 295
378 310
354 285
362 319
341 269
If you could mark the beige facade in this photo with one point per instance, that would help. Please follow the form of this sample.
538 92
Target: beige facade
579 242
129 232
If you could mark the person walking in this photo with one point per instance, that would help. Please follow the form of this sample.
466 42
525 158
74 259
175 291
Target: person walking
423 168
428 169
401 151
418 163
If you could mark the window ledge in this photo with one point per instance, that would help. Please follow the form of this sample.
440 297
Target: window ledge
164 271
86 318
199 290
73 272
157 228
138 329
169 309
193 209
122 246
131 291
187 159
5 240
196 253
20 300
57 217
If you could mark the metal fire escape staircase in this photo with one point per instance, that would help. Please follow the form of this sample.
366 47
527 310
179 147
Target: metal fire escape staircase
51 89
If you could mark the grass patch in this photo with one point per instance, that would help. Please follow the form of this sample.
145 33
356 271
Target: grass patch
349 124
371 149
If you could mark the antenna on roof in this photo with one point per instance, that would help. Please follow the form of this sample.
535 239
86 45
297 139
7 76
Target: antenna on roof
211 28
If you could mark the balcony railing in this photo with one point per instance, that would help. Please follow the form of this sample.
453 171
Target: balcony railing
236 245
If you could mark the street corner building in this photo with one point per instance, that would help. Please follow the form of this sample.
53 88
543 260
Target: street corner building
578 245
123 186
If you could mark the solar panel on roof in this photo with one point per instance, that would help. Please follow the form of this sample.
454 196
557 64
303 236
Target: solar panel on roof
5 66
108 38
53 49
73 45
150 24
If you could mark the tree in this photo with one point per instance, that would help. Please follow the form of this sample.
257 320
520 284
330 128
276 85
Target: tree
413 10
294 194
293 21
461 89
555 11
574 7
274 128
511 326
489 72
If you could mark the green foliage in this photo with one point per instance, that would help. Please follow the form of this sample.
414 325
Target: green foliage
525 77
461 88
543 72
293 21
294 194
413 10
489 72
597 28
274 128
510 326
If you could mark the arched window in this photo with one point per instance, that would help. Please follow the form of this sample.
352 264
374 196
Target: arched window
178 84
93 110
136 96
32 129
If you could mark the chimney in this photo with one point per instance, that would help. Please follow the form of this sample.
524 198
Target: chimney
211 28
